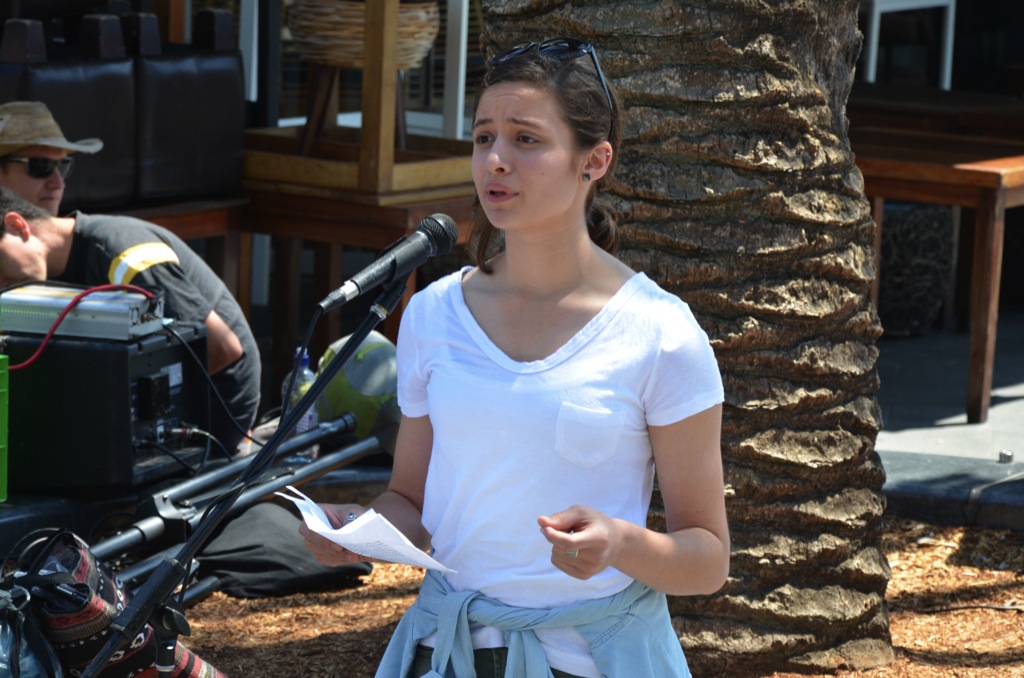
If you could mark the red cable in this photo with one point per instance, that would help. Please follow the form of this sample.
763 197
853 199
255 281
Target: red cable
67 309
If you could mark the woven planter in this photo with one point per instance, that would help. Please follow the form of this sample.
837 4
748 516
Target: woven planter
333 32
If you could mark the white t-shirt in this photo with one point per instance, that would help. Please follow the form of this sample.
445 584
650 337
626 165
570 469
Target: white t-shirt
515 440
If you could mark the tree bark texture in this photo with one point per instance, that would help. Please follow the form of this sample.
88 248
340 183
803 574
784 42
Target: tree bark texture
737 190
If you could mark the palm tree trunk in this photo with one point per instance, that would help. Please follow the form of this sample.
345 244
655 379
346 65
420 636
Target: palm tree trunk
737 190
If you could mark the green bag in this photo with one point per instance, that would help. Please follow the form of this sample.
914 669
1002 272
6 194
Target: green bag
367 386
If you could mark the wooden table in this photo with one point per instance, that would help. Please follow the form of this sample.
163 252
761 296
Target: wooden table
984 174
333 223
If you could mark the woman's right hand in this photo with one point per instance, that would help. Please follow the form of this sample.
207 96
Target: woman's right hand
325 550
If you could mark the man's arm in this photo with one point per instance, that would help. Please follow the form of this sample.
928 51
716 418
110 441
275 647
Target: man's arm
222 345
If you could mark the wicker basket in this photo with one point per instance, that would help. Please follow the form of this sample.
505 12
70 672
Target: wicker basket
332 32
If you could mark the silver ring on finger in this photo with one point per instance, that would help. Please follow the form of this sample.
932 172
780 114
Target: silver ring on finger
572 553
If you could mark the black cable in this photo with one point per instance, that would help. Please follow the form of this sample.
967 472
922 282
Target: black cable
303 348
210 438
209 380
170 453
31 539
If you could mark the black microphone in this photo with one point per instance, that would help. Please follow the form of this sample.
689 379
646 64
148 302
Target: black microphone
435 235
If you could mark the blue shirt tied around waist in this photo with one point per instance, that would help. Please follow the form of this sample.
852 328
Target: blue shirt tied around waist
629 633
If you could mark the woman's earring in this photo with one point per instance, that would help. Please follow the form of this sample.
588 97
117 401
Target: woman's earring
586 176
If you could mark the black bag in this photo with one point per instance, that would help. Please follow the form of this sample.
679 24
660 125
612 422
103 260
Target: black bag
261 553
24 651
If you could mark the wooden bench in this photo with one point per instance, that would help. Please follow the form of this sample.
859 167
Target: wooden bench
984 174
933 110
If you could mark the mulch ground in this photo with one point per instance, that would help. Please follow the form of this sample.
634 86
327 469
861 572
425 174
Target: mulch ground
956 602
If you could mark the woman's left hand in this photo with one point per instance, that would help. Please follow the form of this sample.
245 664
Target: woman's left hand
583 541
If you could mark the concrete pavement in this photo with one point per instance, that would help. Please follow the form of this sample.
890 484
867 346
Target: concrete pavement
939 468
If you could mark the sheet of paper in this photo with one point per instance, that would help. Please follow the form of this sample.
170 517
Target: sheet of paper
369 535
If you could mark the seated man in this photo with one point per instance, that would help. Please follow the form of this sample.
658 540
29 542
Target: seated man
92 250
34 159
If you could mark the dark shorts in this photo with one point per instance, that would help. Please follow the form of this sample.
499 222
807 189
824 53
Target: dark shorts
490 663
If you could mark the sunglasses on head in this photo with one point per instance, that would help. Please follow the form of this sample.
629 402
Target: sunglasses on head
42 168
563 49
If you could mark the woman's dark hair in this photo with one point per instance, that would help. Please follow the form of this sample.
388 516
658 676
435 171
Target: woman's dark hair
584 103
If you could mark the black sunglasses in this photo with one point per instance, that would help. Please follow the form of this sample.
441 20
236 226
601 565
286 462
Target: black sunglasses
563 49
42 168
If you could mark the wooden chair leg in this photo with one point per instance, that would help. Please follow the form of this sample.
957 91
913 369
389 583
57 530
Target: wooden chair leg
323 95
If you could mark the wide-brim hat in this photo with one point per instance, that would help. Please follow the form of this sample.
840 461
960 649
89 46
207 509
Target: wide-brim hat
29 123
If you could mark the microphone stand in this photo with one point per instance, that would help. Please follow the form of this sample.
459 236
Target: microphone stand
139 571
152 604
173 511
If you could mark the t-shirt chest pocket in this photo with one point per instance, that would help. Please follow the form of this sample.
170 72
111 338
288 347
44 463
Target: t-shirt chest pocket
586 436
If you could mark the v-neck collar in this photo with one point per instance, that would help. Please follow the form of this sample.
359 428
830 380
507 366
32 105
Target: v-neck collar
564 352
